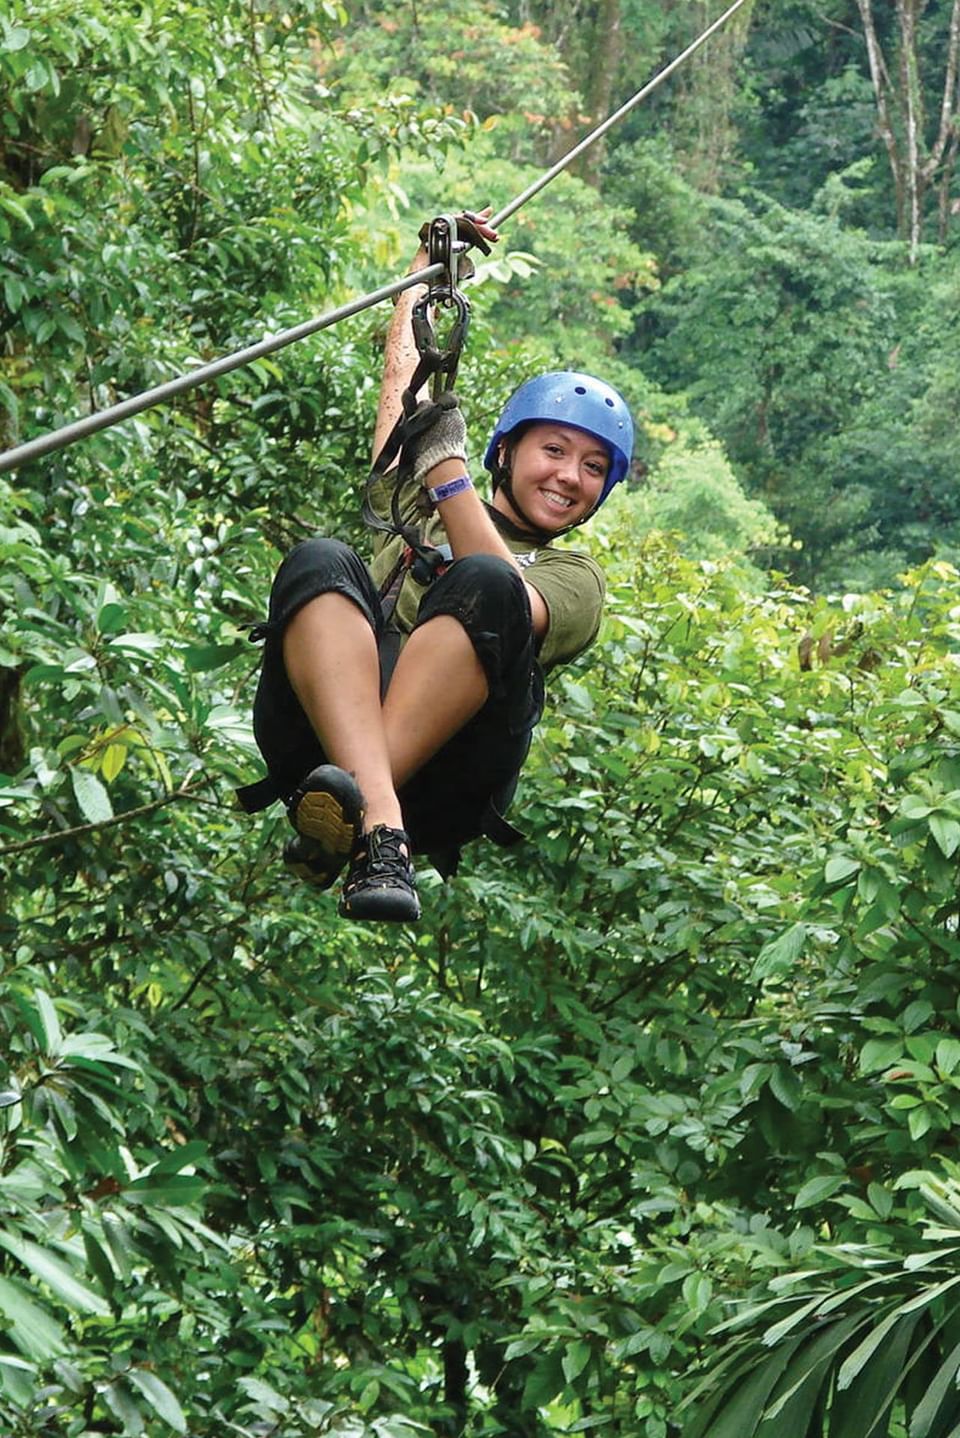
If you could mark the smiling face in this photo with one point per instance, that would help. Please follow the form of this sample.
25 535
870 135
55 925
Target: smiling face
557 476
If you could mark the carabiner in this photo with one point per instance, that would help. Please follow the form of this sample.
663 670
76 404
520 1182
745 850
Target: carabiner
443 248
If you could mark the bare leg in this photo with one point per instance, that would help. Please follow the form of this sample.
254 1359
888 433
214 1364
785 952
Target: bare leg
437 686
330 654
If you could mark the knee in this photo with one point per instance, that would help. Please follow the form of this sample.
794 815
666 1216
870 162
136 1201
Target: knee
486 595
314 567
495 579
318 553
316 562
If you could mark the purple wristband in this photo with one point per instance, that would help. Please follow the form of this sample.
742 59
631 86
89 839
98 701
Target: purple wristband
452 487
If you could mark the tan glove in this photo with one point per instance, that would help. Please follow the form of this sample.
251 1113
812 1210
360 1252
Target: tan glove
444 435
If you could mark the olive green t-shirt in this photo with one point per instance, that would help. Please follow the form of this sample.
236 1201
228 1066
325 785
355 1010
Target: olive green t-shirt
569 582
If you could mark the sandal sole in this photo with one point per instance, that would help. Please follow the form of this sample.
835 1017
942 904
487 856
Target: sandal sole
381 906
330 816
322 816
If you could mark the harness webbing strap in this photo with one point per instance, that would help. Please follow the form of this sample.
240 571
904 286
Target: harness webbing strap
252 798
435 363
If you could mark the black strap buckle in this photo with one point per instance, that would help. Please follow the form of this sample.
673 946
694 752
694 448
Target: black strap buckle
428 562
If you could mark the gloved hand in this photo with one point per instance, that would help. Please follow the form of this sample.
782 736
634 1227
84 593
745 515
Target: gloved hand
443 435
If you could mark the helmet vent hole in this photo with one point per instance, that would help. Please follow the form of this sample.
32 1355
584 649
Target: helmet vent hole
579 389
609 401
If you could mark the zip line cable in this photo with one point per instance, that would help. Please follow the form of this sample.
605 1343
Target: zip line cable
159 394
611 120
91 423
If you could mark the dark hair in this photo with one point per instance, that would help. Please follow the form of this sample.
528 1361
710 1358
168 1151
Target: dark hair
499 472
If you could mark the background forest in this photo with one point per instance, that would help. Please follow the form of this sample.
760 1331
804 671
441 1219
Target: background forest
649 1128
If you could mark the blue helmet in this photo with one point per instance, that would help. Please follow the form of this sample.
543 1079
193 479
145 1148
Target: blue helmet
578 400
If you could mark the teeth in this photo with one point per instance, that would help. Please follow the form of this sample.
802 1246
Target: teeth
556 499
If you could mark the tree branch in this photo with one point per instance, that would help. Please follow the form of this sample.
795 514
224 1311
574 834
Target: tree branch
182 793
948 102
881 86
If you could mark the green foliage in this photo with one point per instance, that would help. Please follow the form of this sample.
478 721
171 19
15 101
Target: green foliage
694 492
667 215
813 111
190 230
578 310
461 56
541 1164
781 339
872 1346
535 1144
898 451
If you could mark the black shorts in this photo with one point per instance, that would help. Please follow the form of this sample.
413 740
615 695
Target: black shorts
448 801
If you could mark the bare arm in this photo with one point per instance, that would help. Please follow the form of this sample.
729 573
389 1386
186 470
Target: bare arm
400 352
399 358
470 530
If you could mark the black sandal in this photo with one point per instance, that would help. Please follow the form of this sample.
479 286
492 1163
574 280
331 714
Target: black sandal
381 884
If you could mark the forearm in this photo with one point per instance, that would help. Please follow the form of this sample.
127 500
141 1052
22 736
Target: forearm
470 530
399 358
400 351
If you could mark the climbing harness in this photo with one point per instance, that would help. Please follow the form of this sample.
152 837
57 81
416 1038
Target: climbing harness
102 419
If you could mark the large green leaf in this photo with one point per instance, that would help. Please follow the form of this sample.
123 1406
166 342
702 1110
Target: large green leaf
166 1190
35 1333
864 1351
744 1408
49 1023
92 797
817 1190
861 1409
545 1379
809 1372
159 1396
779 955
60 1279
933 1406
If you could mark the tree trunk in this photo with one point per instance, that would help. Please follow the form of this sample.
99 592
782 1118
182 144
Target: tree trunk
455 1377
945 207
607 49
912 107
11 739
901 117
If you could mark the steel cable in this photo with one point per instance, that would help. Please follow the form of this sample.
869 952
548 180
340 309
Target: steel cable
126 408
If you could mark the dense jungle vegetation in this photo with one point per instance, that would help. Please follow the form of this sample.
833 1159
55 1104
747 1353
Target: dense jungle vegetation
648 1128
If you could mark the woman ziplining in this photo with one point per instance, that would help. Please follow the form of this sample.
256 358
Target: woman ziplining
376 766
440 749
